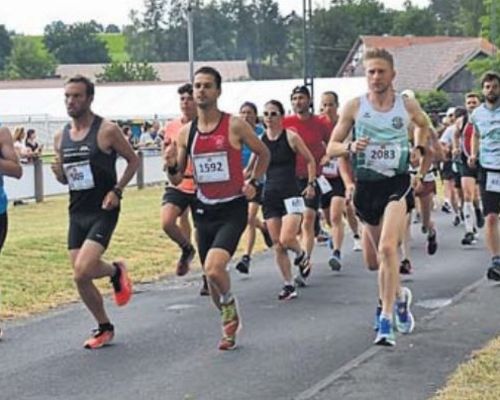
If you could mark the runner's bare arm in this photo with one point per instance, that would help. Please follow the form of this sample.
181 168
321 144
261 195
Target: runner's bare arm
474 151
337 146
175 156
242 131
9 162
56 165
117 141
421 133
456 136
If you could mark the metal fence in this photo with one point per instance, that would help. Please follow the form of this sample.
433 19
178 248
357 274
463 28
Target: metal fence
38 180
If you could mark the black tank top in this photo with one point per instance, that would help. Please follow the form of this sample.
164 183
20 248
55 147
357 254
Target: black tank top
280 174
90 172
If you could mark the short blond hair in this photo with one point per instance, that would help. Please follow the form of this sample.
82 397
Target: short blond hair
18 133
377 52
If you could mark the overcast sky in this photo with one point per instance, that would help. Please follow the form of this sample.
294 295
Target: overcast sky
31 16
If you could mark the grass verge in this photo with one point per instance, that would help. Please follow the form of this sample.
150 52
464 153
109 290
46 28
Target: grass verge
35 274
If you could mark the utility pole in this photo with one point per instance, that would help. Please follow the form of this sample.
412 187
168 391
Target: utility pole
493 28
308 50
190 40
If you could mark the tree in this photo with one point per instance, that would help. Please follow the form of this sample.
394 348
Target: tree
434 100
415 21
128 72
112 28
479 66
29 60
5 46
491 17
75 44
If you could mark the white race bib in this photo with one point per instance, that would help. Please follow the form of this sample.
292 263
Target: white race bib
493 181
79 175
323 184
295 205
211 167
331 169
383 157
429 177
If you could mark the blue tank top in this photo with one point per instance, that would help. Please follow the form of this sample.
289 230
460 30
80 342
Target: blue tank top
245 151
3 197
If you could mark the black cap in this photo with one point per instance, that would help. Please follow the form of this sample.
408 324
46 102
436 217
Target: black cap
301 89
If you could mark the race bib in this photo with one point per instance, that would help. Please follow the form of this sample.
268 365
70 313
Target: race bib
323 184
493 182
211 167
331 169
79 175
429 177
383 157
295 205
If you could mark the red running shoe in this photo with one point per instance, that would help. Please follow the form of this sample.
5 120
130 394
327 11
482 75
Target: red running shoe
122 285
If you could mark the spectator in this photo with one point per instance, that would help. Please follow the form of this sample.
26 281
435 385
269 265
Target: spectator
32 144
157 133
146 139
23 152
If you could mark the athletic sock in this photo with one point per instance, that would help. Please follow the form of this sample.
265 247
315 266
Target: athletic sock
226 298
106 327
468 216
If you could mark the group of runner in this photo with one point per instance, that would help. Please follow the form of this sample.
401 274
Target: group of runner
370 164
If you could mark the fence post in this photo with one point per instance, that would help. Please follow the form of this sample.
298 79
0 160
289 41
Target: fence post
38 173
140 170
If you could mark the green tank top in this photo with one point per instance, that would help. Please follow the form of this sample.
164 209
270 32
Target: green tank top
388 152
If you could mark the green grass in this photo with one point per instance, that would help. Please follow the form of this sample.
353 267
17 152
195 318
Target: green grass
115 42
35 273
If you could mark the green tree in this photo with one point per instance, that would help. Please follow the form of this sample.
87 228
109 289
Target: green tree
128 72
479 66
490 20
29 60
5 46
469 18
415 21
76 44
112 28
434 100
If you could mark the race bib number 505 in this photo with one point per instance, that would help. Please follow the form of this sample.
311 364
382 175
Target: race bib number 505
211 167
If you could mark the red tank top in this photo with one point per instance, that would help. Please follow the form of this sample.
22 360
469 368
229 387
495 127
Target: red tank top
467 138
217 165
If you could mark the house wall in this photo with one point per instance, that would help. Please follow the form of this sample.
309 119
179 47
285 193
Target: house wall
457 86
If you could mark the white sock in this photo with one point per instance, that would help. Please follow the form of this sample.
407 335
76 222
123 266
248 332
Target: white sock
469 216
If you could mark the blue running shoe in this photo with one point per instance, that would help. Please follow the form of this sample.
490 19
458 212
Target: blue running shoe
385 334
404 321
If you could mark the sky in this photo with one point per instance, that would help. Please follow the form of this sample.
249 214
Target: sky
31 16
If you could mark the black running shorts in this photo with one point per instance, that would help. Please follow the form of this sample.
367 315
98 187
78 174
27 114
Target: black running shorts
3 228
97 226
178 198
219 226
372 197
338 190
465 170
491 200
310 203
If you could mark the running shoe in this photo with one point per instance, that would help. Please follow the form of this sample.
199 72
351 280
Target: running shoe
334 261
446 208
424 229
493 273
456 220
230 325
299 281
357 244
99 338
204 287
405 267
287 293
243 265
479 218
304 263
432 244
416 218
267 237
322 237
385 334
122 285
404 320
187 256
468 239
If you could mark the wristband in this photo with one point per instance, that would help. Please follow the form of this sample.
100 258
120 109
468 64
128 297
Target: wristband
349 146
173 170
312 184
254 182
118 192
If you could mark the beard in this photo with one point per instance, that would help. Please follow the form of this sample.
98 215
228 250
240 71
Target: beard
492 98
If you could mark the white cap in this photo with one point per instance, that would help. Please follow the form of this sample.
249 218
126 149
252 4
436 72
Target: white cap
408 93
450 111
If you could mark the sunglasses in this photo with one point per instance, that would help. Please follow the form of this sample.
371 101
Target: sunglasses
271 113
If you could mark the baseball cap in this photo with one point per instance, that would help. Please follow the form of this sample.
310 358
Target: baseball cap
408 93
301 89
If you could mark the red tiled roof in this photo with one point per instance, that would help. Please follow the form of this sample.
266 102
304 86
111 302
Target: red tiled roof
393 42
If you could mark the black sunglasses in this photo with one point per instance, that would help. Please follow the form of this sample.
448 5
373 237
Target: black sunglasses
271 113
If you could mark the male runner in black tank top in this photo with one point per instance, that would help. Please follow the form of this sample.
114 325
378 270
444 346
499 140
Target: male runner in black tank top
86 152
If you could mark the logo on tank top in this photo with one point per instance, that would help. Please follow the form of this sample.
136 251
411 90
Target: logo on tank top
397 122
366 115
84 148
219 142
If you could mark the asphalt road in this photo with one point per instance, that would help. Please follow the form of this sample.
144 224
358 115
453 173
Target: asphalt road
166 339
